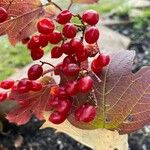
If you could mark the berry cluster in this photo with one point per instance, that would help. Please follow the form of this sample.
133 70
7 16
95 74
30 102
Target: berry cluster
77 50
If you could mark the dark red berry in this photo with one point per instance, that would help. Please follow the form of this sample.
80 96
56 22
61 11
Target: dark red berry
35 72
85 113
69 60
26 40
62 92
96 69
64 17
55 37
43 39
24 86
92 35
71 88
3 96
45 26
56 52
85 84
36 86
82 56
3 14
57 117
102 60
7 84
69 30
91 17
34 42
67 49
37 53
71 70
58 69
53 101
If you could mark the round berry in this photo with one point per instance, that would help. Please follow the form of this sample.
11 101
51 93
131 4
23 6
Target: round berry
36 86
85 84
92 35
62 92
45 26
56 52
91 17
3 14
43 39
64 17
7 84
37 53
71 88
69 60
69 30
55 37
102 60
65 48
58 69
26 40
34 42
53 101
3 96
85 113
82 56
35 72
96 69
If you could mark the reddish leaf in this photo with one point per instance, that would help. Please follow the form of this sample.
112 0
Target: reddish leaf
85 1
37 103
122 97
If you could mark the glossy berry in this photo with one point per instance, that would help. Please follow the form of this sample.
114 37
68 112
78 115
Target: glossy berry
37 53
55 37
57 118
24 86
58 69
82 56
102 60
53 101
71 70
92 35
34 42
85 84
7 84
56 52
69 60
45 26
76 45
3 14
62 92
3 96
69 30
71 88
64 17
85 113
43 39
35 72
26 40
91 17
97 69
36 86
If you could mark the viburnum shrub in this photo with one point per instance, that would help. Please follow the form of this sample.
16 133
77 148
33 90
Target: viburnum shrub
96 89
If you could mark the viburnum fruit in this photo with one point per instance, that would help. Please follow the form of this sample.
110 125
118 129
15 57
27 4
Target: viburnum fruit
69 30
3 14
7 84
82 56
35 72
85 113
56 52
58 69
85 84
71 88
91 17
96 69
43 39
45 26
62 92
37 53
3 96
34 42
36 86
55 37
64 17
92 35
69 60
26 40
103 60
65 48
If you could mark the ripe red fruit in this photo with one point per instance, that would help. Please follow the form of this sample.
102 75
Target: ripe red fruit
85 113
45 26
71 88
3 96
71 70
43 39
7 84
85 84
24 86
102 60
26 40
96 69
37 53
34 42
57 117
53 101
58 69
82 56
36 86
92 35
69 60
56 52
3 14
69 30
55 37
76 45
35 72
64 17
62 92
91 17
65 48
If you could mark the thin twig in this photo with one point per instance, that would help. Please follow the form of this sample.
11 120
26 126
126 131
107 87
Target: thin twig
43 63
56 6
71 2
47 71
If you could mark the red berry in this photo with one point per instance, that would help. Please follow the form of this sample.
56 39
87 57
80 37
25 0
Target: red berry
55 37
85 84
37 53
58 69
3 96
64 17
43 39
7 84
66 48
53 101
36 86
3 14
85 113
76 45
71 70
96 69
91 17
69 30
56 52
45 26
102 60
92 35
34 42
62 92
82 56
35 72
26 40
71 88
57 117
69 60
24 86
